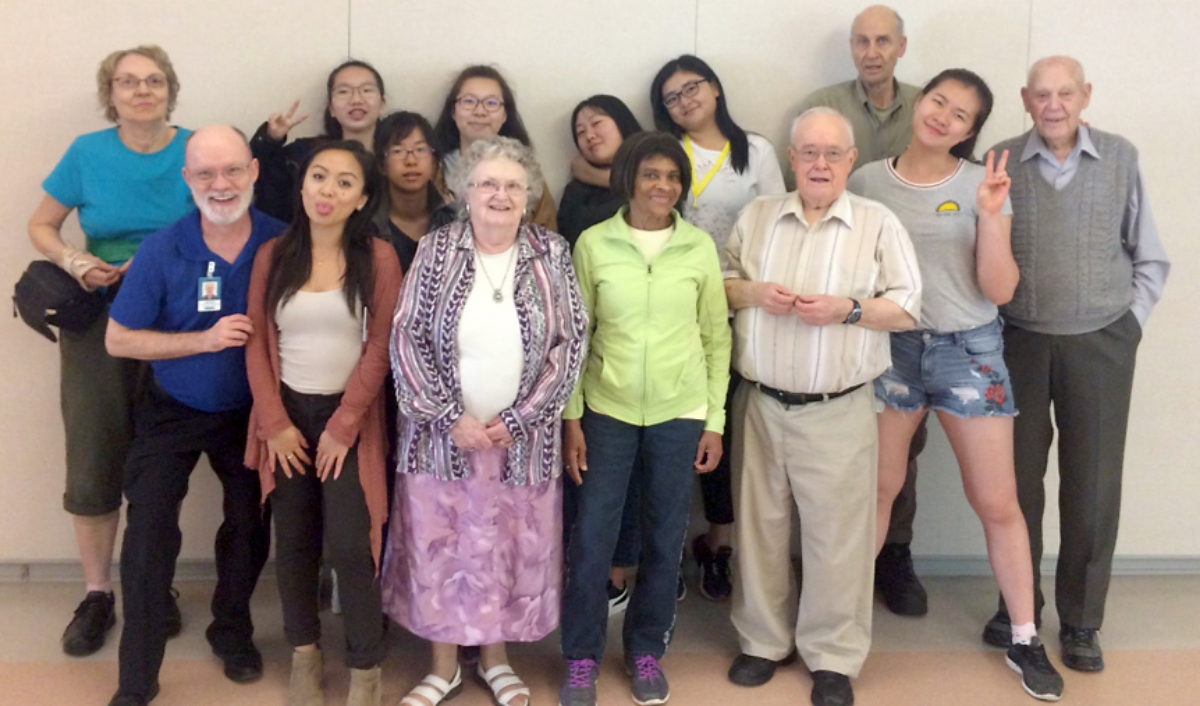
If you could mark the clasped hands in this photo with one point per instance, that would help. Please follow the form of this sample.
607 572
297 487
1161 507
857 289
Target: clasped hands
470 434
813 309
286 450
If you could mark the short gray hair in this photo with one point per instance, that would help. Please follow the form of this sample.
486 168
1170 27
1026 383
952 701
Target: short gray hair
820 110
489 148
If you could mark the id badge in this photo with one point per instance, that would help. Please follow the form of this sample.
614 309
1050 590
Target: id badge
208 296
208 291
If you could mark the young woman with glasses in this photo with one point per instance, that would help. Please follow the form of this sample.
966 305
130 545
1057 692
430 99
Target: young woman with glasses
481 104
730 168
355 100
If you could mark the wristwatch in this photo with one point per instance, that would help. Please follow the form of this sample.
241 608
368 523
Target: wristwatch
855 313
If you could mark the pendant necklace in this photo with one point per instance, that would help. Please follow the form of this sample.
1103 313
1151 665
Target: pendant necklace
497 295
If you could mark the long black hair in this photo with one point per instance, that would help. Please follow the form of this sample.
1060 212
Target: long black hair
393 130
970 79
291 262
333 129
739 144
614 108
446 130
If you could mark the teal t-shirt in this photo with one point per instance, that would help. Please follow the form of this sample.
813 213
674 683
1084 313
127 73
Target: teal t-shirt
122 196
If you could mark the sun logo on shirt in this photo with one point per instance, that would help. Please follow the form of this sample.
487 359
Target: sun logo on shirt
948 207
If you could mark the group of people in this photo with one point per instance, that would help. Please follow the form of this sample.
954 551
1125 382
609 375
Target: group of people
380 339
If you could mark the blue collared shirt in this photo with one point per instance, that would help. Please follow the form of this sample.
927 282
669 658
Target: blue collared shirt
1140 234
160 292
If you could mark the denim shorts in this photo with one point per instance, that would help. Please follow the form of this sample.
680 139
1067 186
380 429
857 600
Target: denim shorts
962 373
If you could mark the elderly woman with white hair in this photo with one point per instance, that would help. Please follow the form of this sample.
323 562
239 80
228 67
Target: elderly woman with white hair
488 342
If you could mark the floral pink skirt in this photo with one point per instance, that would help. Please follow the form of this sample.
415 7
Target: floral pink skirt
475 562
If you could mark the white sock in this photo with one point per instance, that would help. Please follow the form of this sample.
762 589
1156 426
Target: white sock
1023 634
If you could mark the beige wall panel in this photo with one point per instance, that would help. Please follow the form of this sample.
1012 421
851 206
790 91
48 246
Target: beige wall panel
553 53
236 61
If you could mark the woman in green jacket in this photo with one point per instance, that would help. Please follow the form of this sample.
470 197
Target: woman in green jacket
653 389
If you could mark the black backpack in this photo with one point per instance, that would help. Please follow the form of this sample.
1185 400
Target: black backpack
46 295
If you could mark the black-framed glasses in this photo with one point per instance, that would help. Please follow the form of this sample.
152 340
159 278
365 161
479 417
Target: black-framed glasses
490 103
404 152
344 91
687 90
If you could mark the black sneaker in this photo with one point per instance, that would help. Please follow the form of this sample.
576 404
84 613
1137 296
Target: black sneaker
716 580
174 620
998 631
94 617
618 598
1081 649
680 587
896 579
1040 679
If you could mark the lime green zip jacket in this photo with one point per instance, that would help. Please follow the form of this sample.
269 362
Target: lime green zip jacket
660 338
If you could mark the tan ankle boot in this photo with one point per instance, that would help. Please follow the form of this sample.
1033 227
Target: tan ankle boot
365 689
304 686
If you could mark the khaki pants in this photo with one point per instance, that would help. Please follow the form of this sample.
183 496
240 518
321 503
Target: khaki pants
822 457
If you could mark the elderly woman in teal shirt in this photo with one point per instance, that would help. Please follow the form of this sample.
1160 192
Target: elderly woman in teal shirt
126 182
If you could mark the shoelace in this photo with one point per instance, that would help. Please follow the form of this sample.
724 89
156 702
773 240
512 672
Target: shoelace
1038 658
93 607
1083 637
580 673
647 667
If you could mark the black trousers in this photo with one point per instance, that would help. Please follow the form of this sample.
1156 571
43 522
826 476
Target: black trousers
168 439
1088 379
716 488
308 513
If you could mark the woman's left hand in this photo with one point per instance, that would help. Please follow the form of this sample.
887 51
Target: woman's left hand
498 433
331 454
708 452
994 188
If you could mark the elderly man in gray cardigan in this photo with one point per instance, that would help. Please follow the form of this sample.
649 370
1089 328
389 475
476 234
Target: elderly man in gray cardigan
1092 268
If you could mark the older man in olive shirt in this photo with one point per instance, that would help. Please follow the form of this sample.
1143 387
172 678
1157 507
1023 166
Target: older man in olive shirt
880 108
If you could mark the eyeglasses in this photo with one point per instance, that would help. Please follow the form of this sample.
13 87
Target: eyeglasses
208 176
490 103
491 187
155 82
367 90
404 153
808 155
687 90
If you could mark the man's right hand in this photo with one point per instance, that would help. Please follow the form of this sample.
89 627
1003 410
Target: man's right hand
229 332
280 124
774 298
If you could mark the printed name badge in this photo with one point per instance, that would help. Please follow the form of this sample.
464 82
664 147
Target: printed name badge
208 293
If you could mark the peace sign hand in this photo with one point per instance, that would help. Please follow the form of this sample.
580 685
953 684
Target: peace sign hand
280 124
994 188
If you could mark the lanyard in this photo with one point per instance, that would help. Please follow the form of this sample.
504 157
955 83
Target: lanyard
698 187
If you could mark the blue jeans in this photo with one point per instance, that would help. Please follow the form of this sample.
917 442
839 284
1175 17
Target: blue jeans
664 478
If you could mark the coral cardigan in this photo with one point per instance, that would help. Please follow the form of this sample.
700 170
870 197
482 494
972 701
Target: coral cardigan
359 417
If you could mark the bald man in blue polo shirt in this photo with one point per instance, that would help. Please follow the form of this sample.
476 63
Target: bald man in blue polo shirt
183 308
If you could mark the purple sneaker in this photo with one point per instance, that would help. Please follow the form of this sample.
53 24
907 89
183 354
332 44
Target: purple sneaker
579 686
648 683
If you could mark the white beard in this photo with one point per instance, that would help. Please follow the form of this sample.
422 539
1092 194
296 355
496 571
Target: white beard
225 214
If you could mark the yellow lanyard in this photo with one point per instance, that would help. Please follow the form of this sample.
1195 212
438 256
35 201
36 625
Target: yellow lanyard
698 187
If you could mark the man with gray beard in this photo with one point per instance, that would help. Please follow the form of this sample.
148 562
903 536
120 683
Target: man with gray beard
183 308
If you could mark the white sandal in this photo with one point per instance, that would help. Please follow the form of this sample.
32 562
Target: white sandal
498 679
435 690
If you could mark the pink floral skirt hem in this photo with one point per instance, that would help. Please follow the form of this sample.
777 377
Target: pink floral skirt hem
475 562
